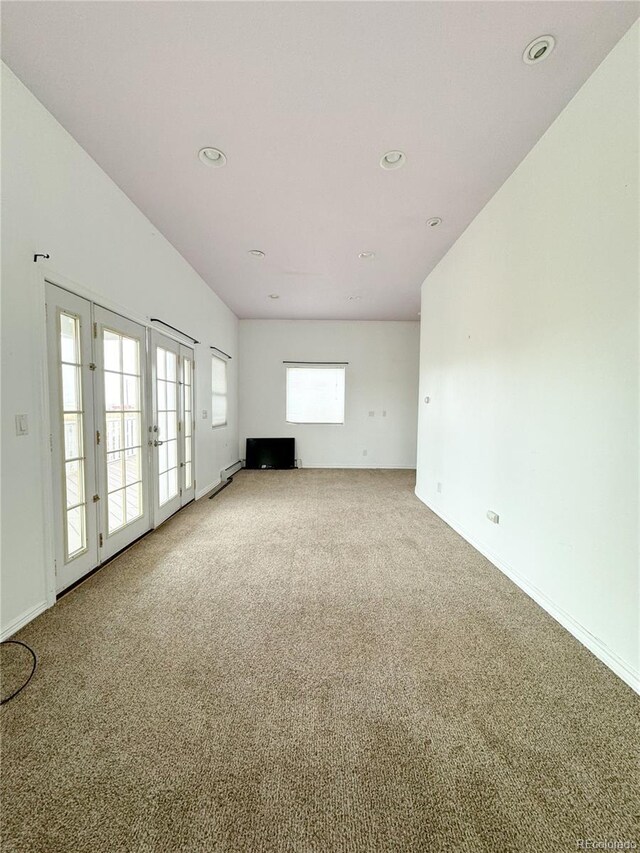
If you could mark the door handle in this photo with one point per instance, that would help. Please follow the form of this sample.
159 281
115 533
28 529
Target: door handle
157 443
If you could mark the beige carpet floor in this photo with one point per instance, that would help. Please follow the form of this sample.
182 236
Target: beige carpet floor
312 662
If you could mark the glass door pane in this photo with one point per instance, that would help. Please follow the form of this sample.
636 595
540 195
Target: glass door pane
167 433
165 426
187 424
73 417
72 435
123 450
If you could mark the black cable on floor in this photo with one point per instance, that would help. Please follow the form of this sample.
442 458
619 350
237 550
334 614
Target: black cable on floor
221 488
33 668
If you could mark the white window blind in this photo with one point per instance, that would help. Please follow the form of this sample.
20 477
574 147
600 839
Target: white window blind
315 395
218 391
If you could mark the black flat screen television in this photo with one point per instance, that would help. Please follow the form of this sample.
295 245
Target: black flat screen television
271 453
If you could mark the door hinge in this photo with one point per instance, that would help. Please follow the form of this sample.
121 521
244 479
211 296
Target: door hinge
51 442
97 436
55 568
92 366
179 426
100 540
180 492
95 330
96 498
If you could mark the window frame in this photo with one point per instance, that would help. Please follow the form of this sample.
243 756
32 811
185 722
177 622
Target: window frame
224 395
318 366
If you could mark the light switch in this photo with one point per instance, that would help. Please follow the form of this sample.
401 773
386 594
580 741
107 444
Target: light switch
22 425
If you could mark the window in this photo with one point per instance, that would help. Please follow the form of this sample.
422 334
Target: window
73 418
218 391
167 412
315 395
123 412
187 408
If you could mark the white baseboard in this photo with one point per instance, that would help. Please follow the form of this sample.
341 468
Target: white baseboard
22 620
306 464
202 492
608 657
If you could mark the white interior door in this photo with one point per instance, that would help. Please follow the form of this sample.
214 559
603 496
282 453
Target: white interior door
165 354
186 426
122 449
73 435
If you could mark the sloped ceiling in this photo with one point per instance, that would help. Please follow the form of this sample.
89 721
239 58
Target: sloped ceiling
304 98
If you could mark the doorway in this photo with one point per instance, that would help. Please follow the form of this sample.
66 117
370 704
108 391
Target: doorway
122 430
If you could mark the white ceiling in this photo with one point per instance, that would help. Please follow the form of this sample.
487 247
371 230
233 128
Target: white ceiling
304 98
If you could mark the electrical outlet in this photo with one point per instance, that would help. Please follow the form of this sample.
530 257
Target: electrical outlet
371 414
205 414
439 488
384 413
364 452
493 516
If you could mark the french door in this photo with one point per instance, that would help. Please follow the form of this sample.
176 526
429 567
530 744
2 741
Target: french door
72 439
187 425
172 431
97 367
122 450
117 472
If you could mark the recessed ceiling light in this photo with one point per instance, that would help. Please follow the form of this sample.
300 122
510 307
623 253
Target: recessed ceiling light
366 255
434 222
212 157
257 253
274 296
353 298
538 49
393 160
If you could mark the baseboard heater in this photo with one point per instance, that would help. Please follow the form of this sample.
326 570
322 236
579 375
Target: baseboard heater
231 470
271 453
226 478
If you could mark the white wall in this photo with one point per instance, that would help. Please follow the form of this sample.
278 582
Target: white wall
382 375
529 352
55 199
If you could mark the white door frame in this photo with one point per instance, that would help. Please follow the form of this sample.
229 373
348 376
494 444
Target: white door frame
60 301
